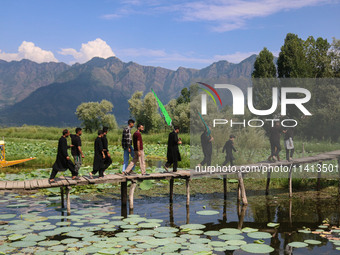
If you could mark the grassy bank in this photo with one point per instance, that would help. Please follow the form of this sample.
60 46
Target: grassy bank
41 142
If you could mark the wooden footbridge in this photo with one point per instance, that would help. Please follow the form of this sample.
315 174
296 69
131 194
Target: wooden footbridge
66 183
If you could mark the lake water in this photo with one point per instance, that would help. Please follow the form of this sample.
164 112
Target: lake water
97 225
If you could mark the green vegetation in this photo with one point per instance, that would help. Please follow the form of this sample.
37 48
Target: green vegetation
41 142
95 115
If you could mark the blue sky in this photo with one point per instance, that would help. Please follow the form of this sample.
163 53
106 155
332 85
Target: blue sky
165 33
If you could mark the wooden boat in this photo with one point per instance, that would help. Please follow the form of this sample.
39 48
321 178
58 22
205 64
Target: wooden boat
3 162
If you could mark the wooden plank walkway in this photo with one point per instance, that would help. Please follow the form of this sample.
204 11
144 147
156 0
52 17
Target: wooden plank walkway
65 183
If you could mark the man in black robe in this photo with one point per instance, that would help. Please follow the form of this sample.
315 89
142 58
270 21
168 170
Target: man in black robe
63 161
274 139
173 155
107 160
229 148
206 142
99 156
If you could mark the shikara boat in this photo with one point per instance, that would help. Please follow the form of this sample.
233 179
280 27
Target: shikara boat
4 162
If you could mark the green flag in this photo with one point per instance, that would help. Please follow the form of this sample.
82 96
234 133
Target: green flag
163 110
205 124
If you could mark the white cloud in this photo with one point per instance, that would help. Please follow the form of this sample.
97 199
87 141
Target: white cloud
27 50
89 50
233 14
222 15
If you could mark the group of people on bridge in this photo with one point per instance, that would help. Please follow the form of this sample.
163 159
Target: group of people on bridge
132 146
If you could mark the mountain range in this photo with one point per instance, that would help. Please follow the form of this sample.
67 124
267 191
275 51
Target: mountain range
49 93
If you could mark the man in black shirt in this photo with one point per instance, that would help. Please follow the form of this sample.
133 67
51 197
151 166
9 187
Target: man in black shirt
63 161
229 148
76 150
108 160
99 156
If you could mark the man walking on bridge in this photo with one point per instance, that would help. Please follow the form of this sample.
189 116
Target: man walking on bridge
139 152
99 156
173 155
76 150
63 161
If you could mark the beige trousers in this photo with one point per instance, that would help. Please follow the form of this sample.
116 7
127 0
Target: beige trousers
137 158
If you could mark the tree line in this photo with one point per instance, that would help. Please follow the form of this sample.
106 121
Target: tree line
316 63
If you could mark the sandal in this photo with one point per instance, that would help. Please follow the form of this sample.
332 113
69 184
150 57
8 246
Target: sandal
91 175
51 181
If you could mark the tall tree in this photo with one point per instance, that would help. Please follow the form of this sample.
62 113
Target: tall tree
318 59
94 115
334 54
265 79
292 61
264 66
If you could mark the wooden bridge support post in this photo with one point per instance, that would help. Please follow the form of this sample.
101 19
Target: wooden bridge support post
225 187
62 197
131 193
187 184
123 193
318 184
268 181
171 189
242 189
238 193
290 182
68 199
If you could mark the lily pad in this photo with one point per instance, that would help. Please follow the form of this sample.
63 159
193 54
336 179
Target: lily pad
149 225
249 230
212 233
311 241
259 235
230 231
166 229
23 244
273 225
232 248
157 242
298 244
236 242
231 237
207 212
192 226
78 234
304 231
7 216
16 237
165 235
257 248
48 243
